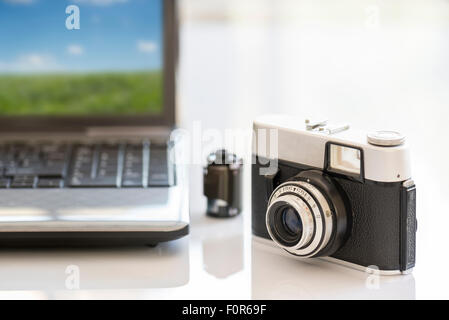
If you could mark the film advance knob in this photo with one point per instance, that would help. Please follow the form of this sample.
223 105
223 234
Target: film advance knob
386 138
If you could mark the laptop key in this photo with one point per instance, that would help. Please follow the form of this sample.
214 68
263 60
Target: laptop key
49 183
107 165
95 167
23 182
82 165
159 175
132 175
132 182
110 182
54 171
13 171
34 160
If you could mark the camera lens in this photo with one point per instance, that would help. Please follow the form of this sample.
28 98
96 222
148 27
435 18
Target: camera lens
291 221
286 224
307 216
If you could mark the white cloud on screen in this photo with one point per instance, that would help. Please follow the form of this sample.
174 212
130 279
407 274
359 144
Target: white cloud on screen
146 46
75 50
31 63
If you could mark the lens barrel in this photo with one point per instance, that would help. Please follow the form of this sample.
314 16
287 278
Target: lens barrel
308 216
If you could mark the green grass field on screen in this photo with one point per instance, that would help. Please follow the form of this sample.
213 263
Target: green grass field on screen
115 93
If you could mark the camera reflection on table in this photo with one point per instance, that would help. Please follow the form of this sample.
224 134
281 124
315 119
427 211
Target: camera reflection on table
275 276
223 256
222 244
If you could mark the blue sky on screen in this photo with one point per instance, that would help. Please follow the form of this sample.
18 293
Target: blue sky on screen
115 35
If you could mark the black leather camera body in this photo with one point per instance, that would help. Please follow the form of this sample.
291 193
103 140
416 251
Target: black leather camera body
321 190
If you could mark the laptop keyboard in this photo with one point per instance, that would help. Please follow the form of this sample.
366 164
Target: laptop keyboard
100 165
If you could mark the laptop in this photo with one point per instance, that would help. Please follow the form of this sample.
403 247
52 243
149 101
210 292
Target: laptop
87 106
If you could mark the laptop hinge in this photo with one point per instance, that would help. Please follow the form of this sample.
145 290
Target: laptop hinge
127 131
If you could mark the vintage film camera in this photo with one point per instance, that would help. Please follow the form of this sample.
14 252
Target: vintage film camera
322 190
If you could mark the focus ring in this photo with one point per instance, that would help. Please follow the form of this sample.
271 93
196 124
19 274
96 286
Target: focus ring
303 192
304 213
326 214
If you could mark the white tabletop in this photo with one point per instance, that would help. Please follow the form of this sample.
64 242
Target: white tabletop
224 83
217 261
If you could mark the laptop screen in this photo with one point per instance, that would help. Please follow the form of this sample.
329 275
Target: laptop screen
81 57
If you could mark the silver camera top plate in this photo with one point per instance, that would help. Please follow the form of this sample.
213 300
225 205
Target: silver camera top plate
299 141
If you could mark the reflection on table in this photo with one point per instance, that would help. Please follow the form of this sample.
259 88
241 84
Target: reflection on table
275 276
